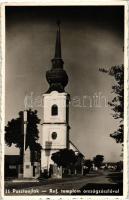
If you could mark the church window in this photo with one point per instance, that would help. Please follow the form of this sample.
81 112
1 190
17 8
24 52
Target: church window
54 135
54 110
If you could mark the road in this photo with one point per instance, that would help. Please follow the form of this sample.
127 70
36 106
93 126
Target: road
55 187
71 186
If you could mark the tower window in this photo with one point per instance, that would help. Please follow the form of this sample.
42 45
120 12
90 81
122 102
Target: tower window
54 135
54 110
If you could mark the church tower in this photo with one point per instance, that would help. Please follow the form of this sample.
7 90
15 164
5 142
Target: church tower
55 129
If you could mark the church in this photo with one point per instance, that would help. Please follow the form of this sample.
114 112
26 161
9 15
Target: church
55 127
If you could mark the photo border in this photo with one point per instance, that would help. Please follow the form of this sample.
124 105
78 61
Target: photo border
3 4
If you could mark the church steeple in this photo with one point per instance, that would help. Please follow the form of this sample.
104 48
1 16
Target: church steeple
57 77
55 129
58 42
57 60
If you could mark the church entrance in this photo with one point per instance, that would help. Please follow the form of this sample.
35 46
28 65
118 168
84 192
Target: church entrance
56 172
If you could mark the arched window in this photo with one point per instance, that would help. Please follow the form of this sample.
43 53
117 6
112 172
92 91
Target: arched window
54 110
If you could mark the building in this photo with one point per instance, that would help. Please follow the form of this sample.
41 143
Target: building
12 166
55 127
17 168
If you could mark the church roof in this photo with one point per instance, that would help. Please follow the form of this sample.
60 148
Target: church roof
74 148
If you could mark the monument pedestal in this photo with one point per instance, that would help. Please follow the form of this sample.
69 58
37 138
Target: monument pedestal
27 167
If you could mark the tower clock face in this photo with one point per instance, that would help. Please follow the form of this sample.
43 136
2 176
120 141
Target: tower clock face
54 135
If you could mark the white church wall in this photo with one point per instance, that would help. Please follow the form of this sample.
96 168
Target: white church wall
55 126
46 160
57 142
54 98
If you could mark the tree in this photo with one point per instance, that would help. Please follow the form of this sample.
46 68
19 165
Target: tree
117 103
119 166
36 152
64 157
98 160
14 133
32 133
88 164
79 162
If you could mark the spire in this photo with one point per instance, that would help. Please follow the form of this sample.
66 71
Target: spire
57 61
58 42
56 76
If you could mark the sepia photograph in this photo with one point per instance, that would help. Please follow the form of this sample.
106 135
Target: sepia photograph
64 100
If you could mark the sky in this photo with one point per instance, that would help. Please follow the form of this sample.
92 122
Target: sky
92 37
